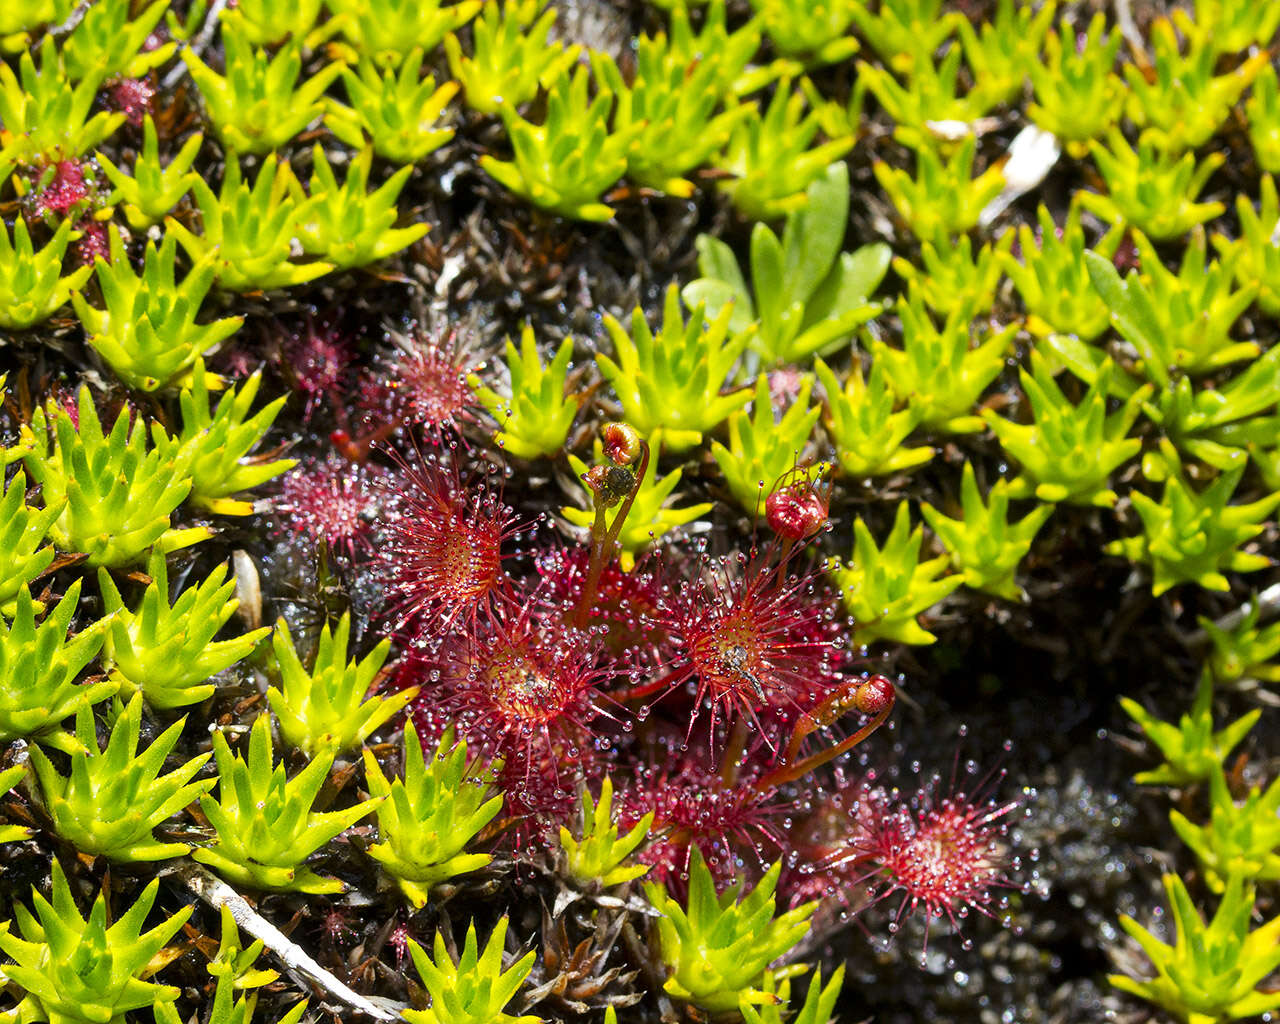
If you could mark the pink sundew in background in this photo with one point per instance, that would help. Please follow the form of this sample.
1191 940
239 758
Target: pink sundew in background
334 501
423 386
316 360
92 244
66 189
132 97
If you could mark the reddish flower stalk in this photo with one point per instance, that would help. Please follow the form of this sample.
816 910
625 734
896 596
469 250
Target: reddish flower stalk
873 696
604 539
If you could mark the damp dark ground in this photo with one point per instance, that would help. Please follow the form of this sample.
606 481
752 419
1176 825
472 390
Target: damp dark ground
1040 679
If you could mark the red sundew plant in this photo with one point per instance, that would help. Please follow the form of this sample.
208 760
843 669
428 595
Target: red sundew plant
757 642
947 856
444 547
524 689
92 243
133 97
65 190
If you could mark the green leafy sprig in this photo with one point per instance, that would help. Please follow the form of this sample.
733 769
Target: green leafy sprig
78 971
38 669
388 30
511 55
117 493
1078 95
266 827
535 420
673 380
1191 536
1069 451
473 990
110 38
112 798
868 434
675 107
258 106
1001 54
1176 321
152 191
944 198
32 286
772 159
1255 258
1211 972
949 275
937 371
564 164
1182 106
248 230
23 554
762 447
1239 839
596 858
886 588
983 544
168 652
1243 652
717 948
45 120
1053 280
347 225
1152 190
1262 110
427 818
906 32
806 296
325 709
1191 749
398 112
220 441
148 333
813 33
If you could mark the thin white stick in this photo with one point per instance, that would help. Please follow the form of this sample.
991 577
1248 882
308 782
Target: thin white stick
199 44
215 892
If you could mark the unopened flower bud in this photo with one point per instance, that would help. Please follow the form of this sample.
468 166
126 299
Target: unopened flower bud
874 695
621 443
797 510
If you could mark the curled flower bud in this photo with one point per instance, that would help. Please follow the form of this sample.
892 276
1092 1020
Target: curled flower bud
621 443
609 484
798 507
